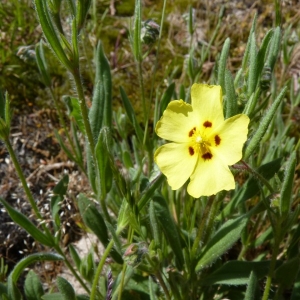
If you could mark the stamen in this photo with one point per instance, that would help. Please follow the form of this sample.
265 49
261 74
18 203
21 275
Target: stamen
207 124
191 151
217 140
192 131
199 139
207 156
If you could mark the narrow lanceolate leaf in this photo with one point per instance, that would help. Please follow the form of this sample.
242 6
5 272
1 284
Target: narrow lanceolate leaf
50 33
33 287
101 111
103 166
223 239
231 99
285 275
154 224
264 124
287 187
131 115
262 53
65 288
222 64
42 65
24 263
274 48
82 10
169 228
252 77
238 272
252 287
137 31
25 223
246 55
296 289
94 220
155 184
167 97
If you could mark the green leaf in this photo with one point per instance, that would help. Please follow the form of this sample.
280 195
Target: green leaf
222 64
42 65
65 288
82 10
238 272
264 124
94 220
223 239
3 290
62 186
25 223
230 98
169 228
286 273
131 115
33 287
154 224
155 184
296 290
75 257
105 175
251 187
100 113
167 97
50 33
274 48
286 194
137 31
64 147
59 191
21 265
251 292
53 296
252 77
246 54
262 53
74 111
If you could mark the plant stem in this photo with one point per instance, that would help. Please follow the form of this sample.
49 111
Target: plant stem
22 178
256 174
163 285
201 228
35 208
84 110
69 265
273 262
122 282
99 270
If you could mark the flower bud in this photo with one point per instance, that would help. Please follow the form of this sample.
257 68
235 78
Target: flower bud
150 32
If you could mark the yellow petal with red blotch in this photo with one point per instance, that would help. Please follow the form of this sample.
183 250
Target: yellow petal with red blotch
210 177
176 162
232 135
207 103
177 121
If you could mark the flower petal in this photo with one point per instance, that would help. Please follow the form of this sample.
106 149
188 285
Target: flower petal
209 178
207 103
232 134
177 121
176 162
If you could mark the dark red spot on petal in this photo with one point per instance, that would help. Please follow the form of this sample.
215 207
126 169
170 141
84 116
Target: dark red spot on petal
217 140
207 156
191 151
192 131
207 124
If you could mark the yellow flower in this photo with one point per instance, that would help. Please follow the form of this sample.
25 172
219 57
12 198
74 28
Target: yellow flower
204 144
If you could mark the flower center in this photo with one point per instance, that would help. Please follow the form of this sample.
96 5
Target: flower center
201 141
